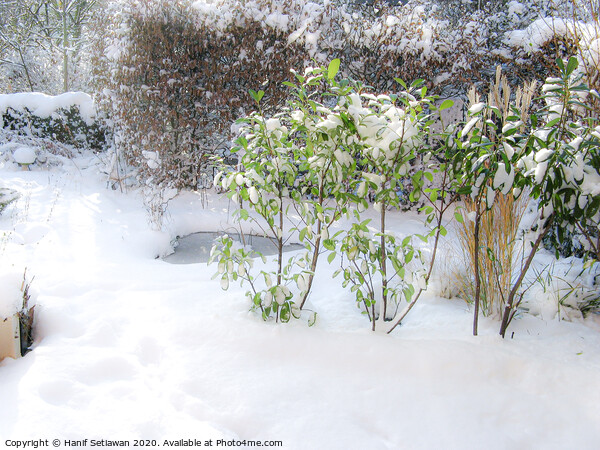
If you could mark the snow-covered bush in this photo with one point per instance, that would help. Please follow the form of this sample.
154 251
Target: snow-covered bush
297 163
566 163
186 67
566 30
188 79
316 161
7 196
553 158
389 130
68 119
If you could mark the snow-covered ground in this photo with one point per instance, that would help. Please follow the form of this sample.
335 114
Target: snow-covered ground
130 347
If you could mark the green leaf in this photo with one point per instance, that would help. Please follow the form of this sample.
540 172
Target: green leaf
401 82
418 82
331 257
296 312
285 314
312 319
423 238
334 67
553 122
302 234
571 65
329 244
257 96
446 104
593 207
458 216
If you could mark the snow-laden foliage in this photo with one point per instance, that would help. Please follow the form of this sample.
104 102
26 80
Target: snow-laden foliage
553 158
69 119
313 164
298 163
189 81
7 196
187 66
359 145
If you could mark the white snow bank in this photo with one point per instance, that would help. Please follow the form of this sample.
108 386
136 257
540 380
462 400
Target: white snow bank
129 347
43 105
542 30
11 297
29 233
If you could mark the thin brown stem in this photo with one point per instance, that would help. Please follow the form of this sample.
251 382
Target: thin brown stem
476 263
510 306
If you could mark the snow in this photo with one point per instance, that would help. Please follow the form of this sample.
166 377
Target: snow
515 7
24 155
537 33
43 105
11 297
128 346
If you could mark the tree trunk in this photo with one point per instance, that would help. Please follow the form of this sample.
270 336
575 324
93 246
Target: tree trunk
65 31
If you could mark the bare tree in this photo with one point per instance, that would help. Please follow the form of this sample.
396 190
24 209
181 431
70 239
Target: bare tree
46 27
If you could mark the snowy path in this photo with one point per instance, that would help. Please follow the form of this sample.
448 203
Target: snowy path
129 347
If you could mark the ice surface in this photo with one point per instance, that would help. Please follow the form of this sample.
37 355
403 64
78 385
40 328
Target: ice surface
195 248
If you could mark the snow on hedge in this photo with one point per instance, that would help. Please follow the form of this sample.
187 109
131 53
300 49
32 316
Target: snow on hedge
544 29
43 105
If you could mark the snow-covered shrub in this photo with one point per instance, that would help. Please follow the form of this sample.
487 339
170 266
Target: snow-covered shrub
566 30
297 163
554 158
566 164
69 119
186 67
318 160
391 131
178 82
7 196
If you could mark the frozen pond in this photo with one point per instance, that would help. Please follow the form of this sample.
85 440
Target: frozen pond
195 248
